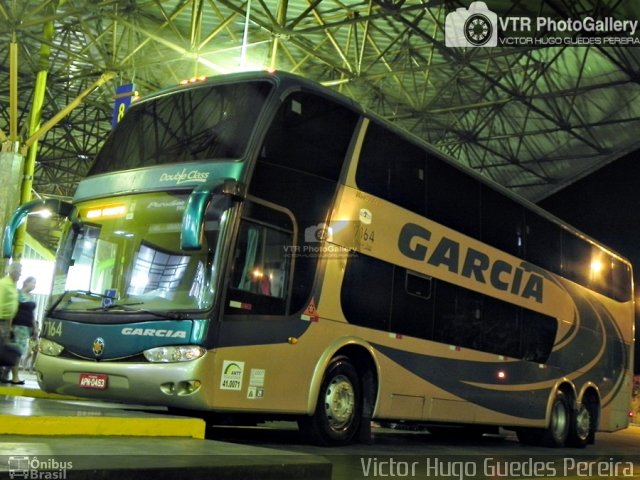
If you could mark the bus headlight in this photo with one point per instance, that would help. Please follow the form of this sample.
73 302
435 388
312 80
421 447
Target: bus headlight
48 347
179 353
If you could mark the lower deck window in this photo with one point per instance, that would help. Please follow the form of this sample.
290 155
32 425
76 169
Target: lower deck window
379 295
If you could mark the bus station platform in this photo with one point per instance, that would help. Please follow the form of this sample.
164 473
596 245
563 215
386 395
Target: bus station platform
56 437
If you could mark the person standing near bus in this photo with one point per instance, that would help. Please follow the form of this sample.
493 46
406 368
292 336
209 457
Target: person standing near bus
8 310
24 321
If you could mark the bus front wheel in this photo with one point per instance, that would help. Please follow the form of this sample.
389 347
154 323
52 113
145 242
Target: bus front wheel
339 408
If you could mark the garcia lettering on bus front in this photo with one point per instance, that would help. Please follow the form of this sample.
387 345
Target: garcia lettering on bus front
414 242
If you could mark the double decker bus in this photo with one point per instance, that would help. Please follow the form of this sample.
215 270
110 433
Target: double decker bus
256 244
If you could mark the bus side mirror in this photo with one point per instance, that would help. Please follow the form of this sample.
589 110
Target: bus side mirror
50 205
217 198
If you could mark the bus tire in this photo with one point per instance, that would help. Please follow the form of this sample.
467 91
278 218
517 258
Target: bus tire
339 408
583 425
557 433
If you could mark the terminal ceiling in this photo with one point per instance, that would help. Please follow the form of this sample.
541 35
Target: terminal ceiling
532 119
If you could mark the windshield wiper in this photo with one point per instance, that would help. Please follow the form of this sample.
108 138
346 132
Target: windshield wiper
89 293
114 306
127 307
70 293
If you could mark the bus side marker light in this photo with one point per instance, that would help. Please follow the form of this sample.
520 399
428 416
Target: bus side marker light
292 340
502 375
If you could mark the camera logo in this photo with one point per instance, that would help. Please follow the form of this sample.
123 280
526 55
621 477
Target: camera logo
475 27
318 233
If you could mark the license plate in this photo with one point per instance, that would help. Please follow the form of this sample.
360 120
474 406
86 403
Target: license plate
96 381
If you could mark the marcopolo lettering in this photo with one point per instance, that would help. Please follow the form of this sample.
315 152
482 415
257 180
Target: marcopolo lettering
415 242
154 332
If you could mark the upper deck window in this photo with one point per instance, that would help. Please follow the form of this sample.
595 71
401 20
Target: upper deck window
201 123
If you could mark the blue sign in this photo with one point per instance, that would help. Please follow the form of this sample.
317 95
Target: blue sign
124 93
110 297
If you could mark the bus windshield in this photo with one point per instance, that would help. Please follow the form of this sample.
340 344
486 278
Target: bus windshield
203 123
126 257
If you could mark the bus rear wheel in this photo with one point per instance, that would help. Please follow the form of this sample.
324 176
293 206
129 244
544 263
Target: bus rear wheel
339 408
556 434
583 425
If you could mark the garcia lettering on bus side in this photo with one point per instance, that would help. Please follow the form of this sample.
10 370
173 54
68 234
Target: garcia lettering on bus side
414 242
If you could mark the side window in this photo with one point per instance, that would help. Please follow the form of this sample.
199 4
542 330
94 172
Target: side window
453 197
499 330
620 280
393 168
577 255
565 253
538 334
261 269
310 134
458 315
469 319
502 222
600 272
367 291
412 312
542 242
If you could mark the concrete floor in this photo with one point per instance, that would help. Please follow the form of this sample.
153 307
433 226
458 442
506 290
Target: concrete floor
49 436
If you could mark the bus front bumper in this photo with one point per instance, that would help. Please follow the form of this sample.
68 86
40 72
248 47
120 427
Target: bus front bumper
180 385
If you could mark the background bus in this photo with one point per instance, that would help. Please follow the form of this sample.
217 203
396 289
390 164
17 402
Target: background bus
256 244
